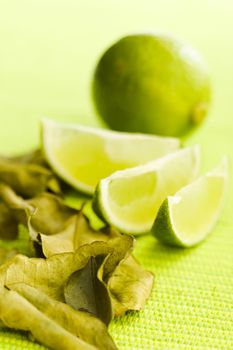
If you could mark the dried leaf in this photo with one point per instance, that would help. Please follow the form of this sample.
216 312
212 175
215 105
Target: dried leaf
88 287
51 215
47 212
34 157
13 211
48 276
26 177
122 246
37 157
6 254
59 229
18 313
51 275
84 291
76 233
66 300
129 286
8 223
87 328
21 245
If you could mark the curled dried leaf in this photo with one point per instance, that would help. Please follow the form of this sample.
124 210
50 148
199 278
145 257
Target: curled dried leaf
46 212
18 313
88 329
8 223
44 279
51 215
57 229
26 176
56 270
34 157
76 233
84 291
129 286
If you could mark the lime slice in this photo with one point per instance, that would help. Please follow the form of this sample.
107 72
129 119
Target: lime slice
129 199
186 218
83 155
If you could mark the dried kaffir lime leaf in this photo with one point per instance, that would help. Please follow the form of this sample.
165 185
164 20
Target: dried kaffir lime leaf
6 254
28 175
84 291
35 289
56 228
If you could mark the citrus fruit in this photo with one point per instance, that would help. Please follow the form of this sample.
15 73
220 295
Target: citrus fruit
83 155
129 199
186 218
151 83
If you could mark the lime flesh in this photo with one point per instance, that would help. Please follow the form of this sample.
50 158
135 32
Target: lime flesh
186 218
129 199
83 155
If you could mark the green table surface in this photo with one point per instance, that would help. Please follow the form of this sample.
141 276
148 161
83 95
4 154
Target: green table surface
48 49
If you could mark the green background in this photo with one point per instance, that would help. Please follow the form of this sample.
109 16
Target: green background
48 50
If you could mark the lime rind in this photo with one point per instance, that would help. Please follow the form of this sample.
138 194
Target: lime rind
164 228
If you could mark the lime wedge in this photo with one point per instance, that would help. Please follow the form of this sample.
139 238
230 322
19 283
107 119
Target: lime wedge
186 218
129 199
83 155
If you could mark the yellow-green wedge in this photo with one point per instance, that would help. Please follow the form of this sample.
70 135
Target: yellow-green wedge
129 199
83 155
186 218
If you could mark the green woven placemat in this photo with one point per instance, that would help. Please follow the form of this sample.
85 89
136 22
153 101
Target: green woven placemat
191 306
48 51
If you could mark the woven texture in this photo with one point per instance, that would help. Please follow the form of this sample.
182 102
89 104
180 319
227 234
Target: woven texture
49 49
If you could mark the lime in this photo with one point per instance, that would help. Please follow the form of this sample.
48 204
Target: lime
129 199
186 218
83 155
151 83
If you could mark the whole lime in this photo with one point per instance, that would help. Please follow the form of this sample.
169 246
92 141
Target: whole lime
151 83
